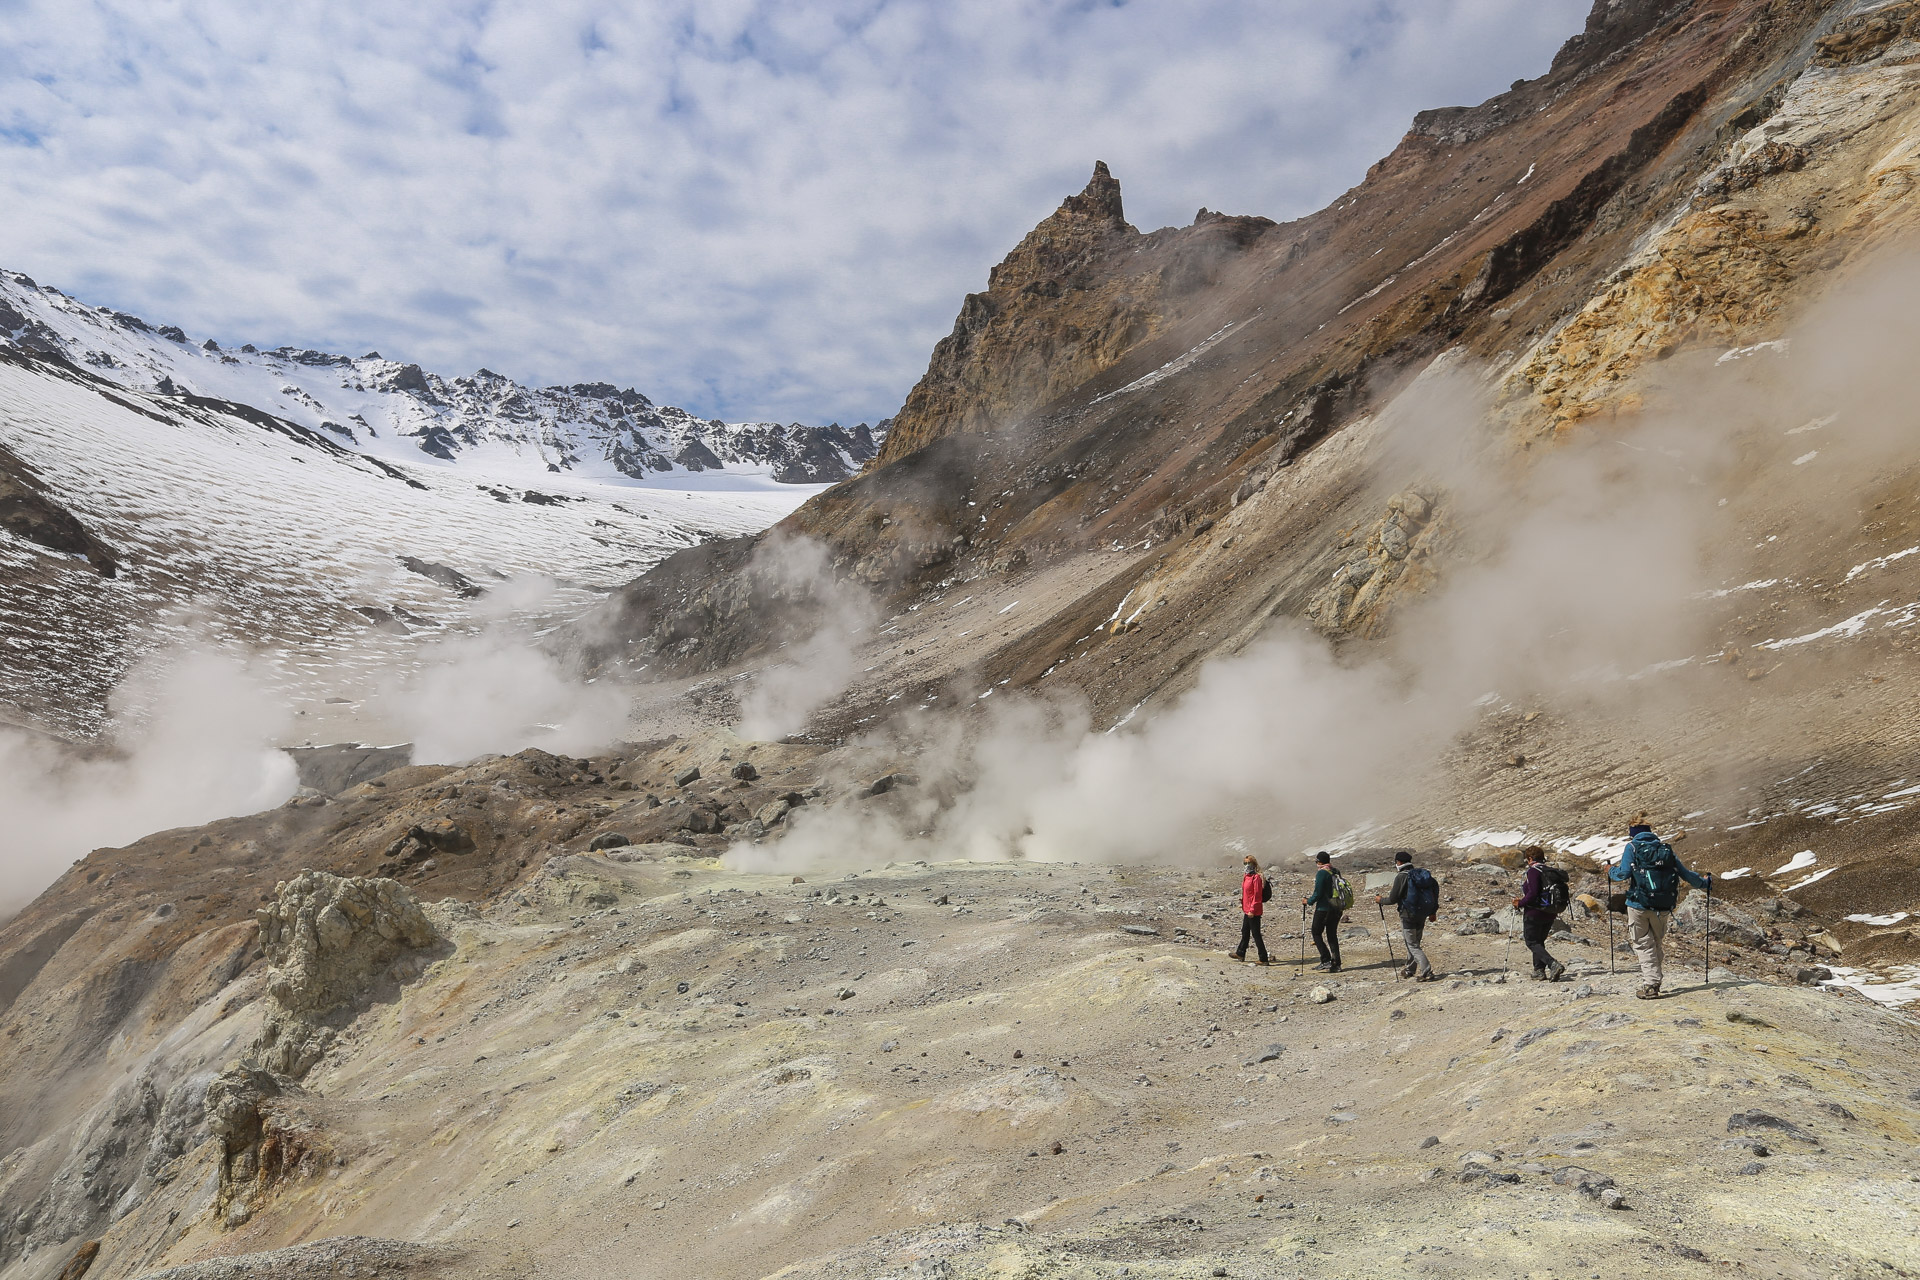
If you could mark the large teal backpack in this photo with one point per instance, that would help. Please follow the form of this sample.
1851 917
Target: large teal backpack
1656 875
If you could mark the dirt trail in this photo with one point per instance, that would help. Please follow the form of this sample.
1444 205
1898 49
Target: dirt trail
1015 1069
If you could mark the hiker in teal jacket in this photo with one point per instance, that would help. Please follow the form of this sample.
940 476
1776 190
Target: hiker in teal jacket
1326 914
1653 874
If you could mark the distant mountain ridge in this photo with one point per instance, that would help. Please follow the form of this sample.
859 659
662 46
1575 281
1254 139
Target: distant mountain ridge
393 409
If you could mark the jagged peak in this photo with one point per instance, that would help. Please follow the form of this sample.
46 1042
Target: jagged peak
1065 237
1099 200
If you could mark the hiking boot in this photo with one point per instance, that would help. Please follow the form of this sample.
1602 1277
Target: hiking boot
1539 975
1333 968
1407 970
1428 976
1263 963
1558 969
1323 964
1237 955
1647 993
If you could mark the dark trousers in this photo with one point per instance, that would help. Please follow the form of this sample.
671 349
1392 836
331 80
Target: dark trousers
1326 933
1534 934
1250 928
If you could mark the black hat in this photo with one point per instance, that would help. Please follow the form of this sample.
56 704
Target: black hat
1323 856
1403 857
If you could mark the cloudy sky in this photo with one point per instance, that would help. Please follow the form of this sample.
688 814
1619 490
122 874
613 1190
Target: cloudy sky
750 209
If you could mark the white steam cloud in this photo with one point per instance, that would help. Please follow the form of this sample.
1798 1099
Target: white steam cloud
195 735
1572 574
498 691
815 671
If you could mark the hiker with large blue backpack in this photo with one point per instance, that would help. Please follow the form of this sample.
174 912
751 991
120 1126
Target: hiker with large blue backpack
1653 875
1416 895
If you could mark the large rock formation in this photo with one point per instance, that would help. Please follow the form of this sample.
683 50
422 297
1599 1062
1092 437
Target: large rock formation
331 942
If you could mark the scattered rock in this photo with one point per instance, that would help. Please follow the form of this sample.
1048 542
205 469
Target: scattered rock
1320 995
1812 975
1750 1121
1145 931
1835 1109
1269 1054
687 776
1751 1168
1533 1037
1429 1141
609 840
745 771
1746 1019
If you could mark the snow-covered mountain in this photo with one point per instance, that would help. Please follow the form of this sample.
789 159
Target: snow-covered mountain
386 408
330 513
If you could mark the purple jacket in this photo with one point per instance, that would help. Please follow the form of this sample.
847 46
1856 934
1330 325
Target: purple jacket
1532 889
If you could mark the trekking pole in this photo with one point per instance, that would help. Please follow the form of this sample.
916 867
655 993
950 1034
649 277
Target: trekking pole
1387 934
1709 935
1303 943
1610 965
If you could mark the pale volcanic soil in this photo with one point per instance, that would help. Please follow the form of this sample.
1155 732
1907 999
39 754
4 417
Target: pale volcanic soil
663 1068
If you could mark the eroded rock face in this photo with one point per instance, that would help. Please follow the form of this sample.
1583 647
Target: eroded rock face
330 940
263 1135
1395 554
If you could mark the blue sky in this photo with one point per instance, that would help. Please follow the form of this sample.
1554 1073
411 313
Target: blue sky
749 209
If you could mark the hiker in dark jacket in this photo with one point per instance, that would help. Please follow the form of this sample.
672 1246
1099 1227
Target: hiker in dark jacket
1653 874
1537 917
1326 914
1253 895
1416 895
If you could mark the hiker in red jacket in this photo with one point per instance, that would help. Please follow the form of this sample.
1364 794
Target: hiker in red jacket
1253 897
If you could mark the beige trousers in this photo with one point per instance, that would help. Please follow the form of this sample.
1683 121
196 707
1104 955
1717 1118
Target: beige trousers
1646 929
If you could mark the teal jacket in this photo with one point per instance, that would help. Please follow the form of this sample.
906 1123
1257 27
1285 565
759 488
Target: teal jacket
1322 896
1647 844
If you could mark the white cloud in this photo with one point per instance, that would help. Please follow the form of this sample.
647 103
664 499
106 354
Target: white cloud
751 209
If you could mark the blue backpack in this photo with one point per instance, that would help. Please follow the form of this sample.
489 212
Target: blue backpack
1422 898
1655 875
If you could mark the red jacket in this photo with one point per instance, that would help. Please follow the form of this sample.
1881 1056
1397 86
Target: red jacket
1250 886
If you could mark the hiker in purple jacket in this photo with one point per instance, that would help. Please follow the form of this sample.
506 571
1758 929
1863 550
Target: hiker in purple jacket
1537 916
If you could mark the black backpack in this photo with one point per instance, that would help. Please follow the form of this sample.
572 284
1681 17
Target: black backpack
1421 901
1266 889
1553 889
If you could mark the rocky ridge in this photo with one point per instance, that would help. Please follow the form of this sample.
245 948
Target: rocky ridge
395 409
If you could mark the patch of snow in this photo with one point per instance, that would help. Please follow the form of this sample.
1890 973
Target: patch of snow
1777 347
1806 457
1756 585
1603 846
1900 987
1879 562
1879 921
1171 367
1802 883
1804 858
1499 839
1815 425
1735 874
1846 628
